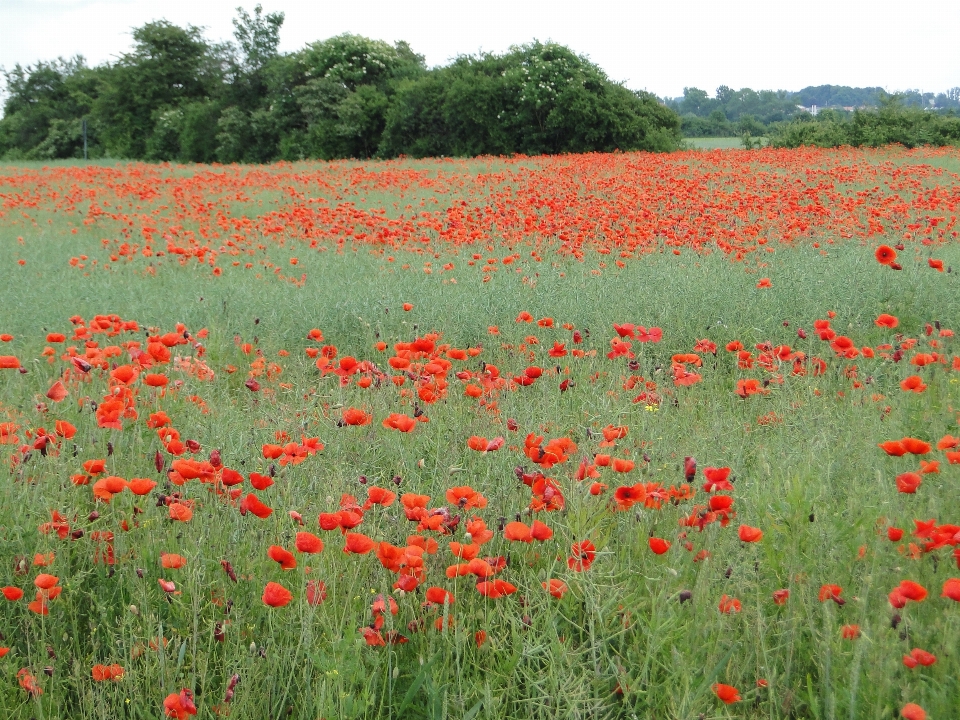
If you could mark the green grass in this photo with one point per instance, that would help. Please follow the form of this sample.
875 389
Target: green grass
619 643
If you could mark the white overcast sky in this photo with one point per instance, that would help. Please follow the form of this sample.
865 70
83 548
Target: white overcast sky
660 46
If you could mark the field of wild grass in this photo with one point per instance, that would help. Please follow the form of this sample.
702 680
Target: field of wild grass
621 436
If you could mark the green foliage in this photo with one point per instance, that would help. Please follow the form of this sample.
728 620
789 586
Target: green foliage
175 97
233 136
44 110
726 114
348 84
537 98
891 123
169 67
258 36
198 131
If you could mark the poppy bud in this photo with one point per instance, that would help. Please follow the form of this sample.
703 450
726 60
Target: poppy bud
685 595
50 653
48 671
93 516
397 480
140 573
76 534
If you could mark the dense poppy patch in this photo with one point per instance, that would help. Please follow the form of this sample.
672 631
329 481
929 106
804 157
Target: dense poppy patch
476 455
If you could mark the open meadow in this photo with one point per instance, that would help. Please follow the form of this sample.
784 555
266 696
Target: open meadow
584 436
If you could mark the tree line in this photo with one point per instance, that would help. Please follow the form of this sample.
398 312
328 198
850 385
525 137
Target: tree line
177 97
731 113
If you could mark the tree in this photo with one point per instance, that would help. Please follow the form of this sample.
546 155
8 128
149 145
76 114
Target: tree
169 67
349 85
536 98
44 110
259 36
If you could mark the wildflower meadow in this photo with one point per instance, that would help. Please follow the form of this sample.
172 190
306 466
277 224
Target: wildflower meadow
586 436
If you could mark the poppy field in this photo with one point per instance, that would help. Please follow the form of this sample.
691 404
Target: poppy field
598 436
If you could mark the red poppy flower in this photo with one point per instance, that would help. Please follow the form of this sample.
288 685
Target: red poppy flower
282 556
251 503
626 496
583 555
355 416
358 543
439 596
729 605
555 587
831 592
885 255
912 711
913 383
912 590
850 632
172 561
919 657
658 545
12 593
180 512
179 705
915 446
951 589
495 589
622 465
750 534
276 595
517 532
908 482
399 421
716 479
727 693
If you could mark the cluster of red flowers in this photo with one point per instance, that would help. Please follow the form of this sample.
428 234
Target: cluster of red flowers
123 388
